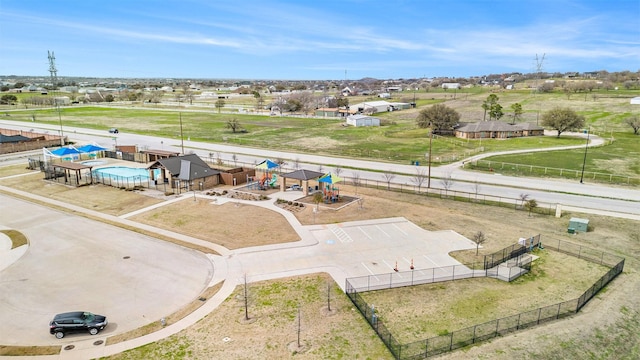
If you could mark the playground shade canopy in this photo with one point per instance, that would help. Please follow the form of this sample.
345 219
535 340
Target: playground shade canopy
89 148
267 164
65 151
330 178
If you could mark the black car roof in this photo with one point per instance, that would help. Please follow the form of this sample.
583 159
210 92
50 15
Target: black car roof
73 314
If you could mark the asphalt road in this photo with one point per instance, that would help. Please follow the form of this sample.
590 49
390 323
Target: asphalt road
77 264
596 197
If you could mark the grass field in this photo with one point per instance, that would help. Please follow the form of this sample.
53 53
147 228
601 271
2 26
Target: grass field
445 308
398 140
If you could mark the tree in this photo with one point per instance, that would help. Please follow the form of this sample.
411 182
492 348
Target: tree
479 238
489 105
234 125
447 181
355 177
317 199
523 197
495 113
219 105
530 205
517 112
388 177
562 119
419 178
633 121
439 117
8 99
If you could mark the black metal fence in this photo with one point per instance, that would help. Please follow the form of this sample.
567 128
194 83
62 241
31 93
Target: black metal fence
511 252
440 344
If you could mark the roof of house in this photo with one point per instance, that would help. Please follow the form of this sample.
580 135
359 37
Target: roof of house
4 139
360 116
496 126
193 168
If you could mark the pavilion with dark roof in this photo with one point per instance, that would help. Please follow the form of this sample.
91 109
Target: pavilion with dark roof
187 172
303 176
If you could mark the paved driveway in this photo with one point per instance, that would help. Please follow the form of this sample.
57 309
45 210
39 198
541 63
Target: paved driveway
74 263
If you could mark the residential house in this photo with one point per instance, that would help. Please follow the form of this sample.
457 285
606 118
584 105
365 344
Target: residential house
497 130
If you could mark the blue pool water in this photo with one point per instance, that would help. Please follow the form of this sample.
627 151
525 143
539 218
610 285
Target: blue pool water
124 172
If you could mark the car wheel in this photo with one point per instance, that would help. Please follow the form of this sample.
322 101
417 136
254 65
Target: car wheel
59 334
93 331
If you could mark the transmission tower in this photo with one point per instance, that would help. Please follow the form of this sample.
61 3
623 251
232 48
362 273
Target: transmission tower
52 68
539 62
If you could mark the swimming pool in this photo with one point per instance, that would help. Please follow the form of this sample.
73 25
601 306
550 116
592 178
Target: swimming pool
124 172
124 177
93 162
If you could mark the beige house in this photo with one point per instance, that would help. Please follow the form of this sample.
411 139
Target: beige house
497 130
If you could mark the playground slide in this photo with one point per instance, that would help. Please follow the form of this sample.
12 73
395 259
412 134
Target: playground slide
273 181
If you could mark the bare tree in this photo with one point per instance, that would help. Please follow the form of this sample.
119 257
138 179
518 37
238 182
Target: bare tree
479 238
320 167
388 177
234 157
245 298
296 163
447 181
355 177
419 178
361 203
523 197
634 122
476 188
234 125
337 170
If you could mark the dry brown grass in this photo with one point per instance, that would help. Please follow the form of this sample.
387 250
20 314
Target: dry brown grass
17 238
224 225
451 306
29 350
273 331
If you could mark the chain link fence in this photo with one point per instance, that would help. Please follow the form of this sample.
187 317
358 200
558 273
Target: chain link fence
481 332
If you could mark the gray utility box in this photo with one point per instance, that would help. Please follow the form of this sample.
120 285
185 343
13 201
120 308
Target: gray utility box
578 225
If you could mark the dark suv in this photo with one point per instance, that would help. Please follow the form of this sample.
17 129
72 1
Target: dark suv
76 321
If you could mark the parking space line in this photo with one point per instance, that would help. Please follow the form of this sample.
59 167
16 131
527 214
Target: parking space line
384 232
397 228
371 272
431 261
365 233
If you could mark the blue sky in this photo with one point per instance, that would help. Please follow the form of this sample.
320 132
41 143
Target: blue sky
324 39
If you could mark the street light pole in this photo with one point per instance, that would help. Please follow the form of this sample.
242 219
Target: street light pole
61 132
584 161
429 171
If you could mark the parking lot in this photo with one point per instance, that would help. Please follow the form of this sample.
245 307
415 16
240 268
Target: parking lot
74 263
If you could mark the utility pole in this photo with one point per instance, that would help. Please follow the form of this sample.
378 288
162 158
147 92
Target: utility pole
584 161
181 135
60 119
429 171
538 73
